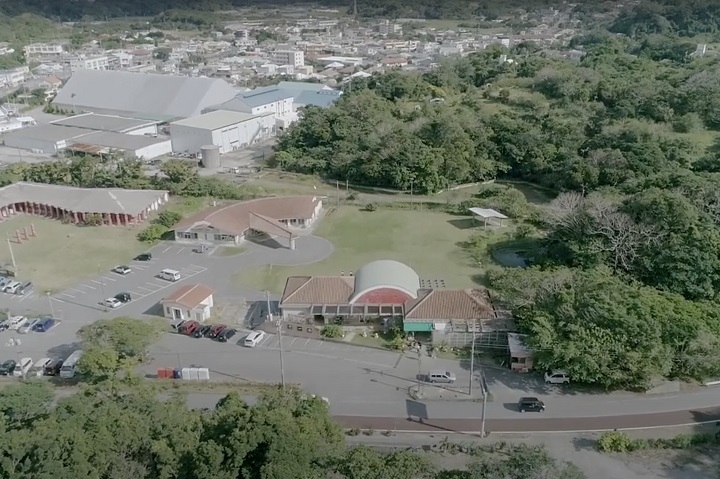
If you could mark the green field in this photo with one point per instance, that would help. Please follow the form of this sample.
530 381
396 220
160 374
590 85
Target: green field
63 254
425 241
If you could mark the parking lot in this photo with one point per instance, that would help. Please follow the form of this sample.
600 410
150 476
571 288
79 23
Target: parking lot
142 281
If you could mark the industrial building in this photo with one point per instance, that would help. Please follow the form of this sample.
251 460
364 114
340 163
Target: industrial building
117 124
134 146
49 139
228 130
148 96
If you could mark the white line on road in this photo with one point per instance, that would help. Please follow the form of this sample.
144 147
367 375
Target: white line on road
23 298
307 342
164 285
140 266
108 279
167 249
146 289
293 341
96 282
68 295
86 286
180 250
79 291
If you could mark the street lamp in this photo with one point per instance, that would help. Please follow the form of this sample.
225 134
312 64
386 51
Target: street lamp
52 309
102 289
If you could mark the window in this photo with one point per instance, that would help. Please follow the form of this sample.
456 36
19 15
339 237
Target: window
187 235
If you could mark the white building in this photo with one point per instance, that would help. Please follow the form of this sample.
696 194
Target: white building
230 130
296 58
123 59
387 28
43 49
90 63
14 76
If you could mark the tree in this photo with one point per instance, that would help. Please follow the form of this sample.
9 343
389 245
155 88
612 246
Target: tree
179 171
127 337
362 462
168 219
23 404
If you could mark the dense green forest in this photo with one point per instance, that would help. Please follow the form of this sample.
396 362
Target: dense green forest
626 281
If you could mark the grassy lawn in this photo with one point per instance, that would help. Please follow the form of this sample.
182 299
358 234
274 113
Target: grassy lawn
61 254
425 241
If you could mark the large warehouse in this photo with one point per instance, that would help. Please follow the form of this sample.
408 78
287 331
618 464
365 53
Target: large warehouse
229 130
113 123
141 95
231 224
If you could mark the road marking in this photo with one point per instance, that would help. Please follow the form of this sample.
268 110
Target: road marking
97 282
180 250
108 279
146 289
23 298
140 266
135 295
68 295
158 285
306 342
86 286
166 249
292 342
79 291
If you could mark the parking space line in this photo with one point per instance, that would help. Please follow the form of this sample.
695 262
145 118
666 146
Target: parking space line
293 341
138 266
96 282
86 286
146 289
166 249
135 295
23 298
68 295
180 250
108 279
306 342
79 291
158 285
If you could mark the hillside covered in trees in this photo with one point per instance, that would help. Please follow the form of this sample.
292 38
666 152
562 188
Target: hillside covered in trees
626 277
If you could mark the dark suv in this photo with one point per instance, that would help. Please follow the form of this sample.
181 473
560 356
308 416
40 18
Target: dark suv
531 404
226 334
7 368
123 297
202 332
143 257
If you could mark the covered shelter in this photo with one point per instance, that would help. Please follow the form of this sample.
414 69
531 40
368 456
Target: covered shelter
521 356
488 216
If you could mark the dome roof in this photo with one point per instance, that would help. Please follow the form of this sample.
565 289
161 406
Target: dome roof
386 274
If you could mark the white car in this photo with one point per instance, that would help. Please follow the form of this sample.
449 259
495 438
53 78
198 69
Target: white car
16 322
557 377
121 269
112 303
27 327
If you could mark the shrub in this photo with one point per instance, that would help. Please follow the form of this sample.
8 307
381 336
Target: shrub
168 219
152 233
370 207
94 219
332 331
614 441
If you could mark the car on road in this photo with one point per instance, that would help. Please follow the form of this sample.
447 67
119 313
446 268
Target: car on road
202 332
530 404
143 257
7 368
557 377
28 326
216 330
123 297
441 376
112 303
226 335
121 269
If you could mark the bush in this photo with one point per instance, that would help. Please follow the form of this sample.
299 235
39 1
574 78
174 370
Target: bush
687 123
168 219
614 441
152 233
332 331
370 207
94 219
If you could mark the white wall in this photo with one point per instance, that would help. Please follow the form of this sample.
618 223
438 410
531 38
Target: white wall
150 130
153 151
242 134
186 138
29 144
279 108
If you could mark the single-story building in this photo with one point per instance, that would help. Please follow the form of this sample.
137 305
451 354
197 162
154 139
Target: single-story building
232 223
189 302
390 289
488 216
113 123
114 206
521 356
49 139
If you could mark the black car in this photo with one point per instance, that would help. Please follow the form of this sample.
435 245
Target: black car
226 334
202 332
4 326
7 368
143 257
531 404
123 297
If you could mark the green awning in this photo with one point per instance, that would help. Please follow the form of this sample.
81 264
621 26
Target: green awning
410 327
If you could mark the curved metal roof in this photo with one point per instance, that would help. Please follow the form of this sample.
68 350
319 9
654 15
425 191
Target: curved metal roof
386 274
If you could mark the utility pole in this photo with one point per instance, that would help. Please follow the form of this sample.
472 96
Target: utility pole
280 345
102 289
472 364
337 191
52 309
12 255
485 393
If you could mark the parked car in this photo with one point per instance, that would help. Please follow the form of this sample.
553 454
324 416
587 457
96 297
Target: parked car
112 303
143 257
189 327
123 297
16 322
7 368
531 404
121 269
4 325
177 325
216 329
557 377
12 286
226 334
202 332
53 369
24 288
28 326
44 324
4 281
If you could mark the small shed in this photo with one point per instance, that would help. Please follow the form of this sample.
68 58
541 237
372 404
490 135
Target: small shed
488 216
189 302
521 357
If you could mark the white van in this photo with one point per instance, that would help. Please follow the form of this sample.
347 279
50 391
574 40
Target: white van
169 275
38 368
12 287
254 338
22 367
16 322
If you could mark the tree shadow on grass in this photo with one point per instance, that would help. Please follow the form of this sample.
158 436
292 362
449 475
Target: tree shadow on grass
463 223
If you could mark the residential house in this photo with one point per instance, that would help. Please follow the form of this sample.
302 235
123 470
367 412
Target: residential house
43 49
100 62
189 302
14 76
